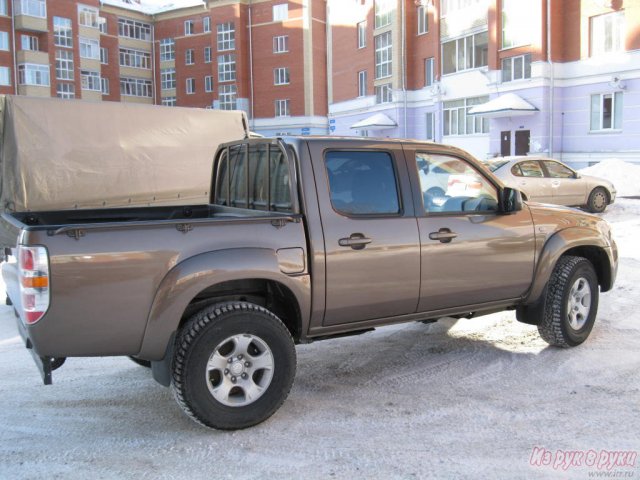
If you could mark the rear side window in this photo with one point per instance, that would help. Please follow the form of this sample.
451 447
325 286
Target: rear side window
530 168
254 176
557 170
362 183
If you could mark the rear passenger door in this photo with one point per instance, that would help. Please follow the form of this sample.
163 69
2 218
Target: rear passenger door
566 188
371 237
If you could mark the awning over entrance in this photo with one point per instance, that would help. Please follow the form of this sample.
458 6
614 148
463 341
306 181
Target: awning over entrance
507 105
379 121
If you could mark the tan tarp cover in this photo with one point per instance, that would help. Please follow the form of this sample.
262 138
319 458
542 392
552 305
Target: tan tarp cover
65 154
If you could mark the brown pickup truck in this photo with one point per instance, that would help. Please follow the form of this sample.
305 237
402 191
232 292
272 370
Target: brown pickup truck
303 239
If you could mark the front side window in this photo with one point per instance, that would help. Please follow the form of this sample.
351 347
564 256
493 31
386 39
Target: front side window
362 183
457 121
451 185
226 36
62 32
530 168
516 68
167 49
606 111
607 33
557 170
383 55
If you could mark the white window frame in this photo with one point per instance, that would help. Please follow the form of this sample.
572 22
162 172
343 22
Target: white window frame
383 55
133 29
65 90
136 87
474 63
167 78
384 93
362 83
456 112
361 28
516 25
206 24
3 7
453 6
430 118
31 8
5 76
190 86
383 12
169 101
422 14
226 67
208 56
281 44
90 80
102 25
228 97
89 48
62 32
280 12
525 72
29 42
64 65
208 83
189 27
104 56
104 86
4 41
167 49
135 58
189 56
281 76
429 71
597 100
88 16
598 26
282 108
226 36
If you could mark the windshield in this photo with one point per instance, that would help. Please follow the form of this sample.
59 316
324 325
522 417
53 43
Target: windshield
494 165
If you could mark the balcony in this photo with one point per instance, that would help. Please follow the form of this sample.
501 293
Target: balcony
31 15
33 57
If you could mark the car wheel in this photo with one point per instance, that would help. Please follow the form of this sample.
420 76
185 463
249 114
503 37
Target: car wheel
571 303
139 361
598 200
234 365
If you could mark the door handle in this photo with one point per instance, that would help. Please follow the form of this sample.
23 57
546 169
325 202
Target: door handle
444 235
357 241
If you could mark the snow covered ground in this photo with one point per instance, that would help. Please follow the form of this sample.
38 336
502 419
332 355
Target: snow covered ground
481 398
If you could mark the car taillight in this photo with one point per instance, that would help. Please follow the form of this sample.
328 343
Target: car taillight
33 263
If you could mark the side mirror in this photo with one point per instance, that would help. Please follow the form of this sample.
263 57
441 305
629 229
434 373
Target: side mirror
510 200
577 175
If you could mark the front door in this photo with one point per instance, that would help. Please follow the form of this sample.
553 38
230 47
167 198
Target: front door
523 138
505 143
371 236
471 254
566 188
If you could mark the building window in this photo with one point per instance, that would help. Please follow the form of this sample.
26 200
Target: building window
62 32
31 74
102 25
87 16
457 121
89 48
64 64
280 12
169 101
207 54
281 44
281 76
167 78
362 83
90 80
429 74
362 34
188 27
516 68
104 56
431 126
607 33
135 87
465 53
226 36
606 111
133 29
191 86
384 94
206 24
423 20
104 86
5 76
282 108
208 84
167 49
516 24
227 96
226 68
451 6
66 90
383 55
383 11
135 58
4 41
31 8
189 56
29 42
3 9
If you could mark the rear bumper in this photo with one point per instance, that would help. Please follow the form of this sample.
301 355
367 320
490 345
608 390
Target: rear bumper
44 364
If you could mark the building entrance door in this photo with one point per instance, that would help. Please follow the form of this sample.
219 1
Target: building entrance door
505 143
523 138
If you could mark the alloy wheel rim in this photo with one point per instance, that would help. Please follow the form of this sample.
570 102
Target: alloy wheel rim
579 304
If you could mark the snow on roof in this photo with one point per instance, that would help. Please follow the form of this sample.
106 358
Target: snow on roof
153 7
507 105
624 176
379 121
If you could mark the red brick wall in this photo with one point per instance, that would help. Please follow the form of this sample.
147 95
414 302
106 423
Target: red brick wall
6 58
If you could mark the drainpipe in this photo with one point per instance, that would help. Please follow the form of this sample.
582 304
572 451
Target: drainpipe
153 64
404 67
15 47
551 79
251 61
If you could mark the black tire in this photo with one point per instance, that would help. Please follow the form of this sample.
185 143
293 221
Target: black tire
139 361
598 200
193 381
556 326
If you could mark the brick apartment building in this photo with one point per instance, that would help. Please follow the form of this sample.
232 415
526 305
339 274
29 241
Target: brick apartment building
486 75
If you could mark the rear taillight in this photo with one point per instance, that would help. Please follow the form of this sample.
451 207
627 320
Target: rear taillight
33 264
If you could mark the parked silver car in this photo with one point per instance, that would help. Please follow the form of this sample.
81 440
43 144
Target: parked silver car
550 181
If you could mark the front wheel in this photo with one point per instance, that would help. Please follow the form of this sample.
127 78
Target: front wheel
234 365
571 303
598 200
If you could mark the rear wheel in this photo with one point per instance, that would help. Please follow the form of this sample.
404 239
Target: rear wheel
571 303
598 200
234 365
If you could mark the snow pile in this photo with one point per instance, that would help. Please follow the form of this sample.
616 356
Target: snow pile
153 7
624 176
